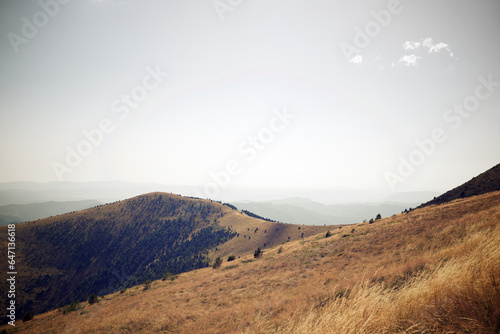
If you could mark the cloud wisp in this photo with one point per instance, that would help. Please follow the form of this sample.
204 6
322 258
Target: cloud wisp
423 47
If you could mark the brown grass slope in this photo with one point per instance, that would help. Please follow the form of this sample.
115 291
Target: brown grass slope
71 256
433 270
486 182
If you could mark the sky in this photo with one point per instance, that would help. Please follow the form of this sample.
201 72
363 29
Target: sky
377 96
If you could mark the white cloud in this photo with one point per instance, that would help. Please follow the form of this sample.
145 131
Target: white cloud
409 60
427 43
422 48
358 59
410 45
440 47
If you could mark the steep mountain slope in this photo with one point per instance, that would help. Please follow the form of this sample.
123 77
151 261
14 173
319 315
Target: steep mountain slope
110 247
33 211
432 270
483 183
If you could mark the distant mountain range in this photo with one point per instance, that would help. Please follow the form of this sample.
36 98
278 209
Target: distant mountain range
106 191
42 200
308 212
16 213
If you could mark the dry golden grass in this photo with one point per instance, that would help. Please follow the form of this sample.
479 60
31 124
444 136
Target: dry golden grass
460 294
433 270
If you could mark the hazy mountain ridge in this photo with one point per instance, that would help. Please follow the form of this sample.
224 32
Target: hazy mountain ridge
34 211
106 191
308 212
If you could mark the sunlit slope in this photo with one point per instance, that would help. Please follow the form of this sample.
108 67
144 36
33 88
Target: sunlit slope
433 270
253 233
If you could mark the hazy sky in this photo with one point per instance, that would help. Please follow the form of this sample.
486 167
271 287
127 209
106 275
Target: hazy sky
310 94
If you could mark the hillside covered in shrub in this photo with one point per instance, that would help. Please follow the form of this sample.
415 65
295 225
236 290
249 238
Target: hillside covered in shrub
115 246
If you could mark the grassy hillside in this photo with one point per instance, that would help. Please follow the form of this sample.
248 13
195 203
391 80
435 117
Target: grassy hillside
432 270
104 249
486 182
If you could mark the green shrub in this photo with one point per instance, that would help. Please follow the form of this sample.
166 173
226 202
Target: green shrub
328 234
147 285
231 258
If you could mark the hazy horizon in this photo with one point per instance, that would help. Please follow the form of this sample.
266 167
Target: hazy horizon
111 191
375 97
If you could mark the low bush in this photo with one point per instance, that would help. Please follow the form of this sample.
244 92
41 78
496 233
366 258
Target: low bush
217 263
93 299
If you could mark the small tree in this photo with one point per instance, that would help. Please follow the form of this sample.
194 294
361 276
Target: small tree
147 284
378 217
258 252
231 258
217 263
328 234
28 316
93 299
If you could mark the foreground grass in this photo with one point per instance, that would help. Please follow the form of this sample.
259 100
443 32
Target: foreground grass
434 270
461 294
